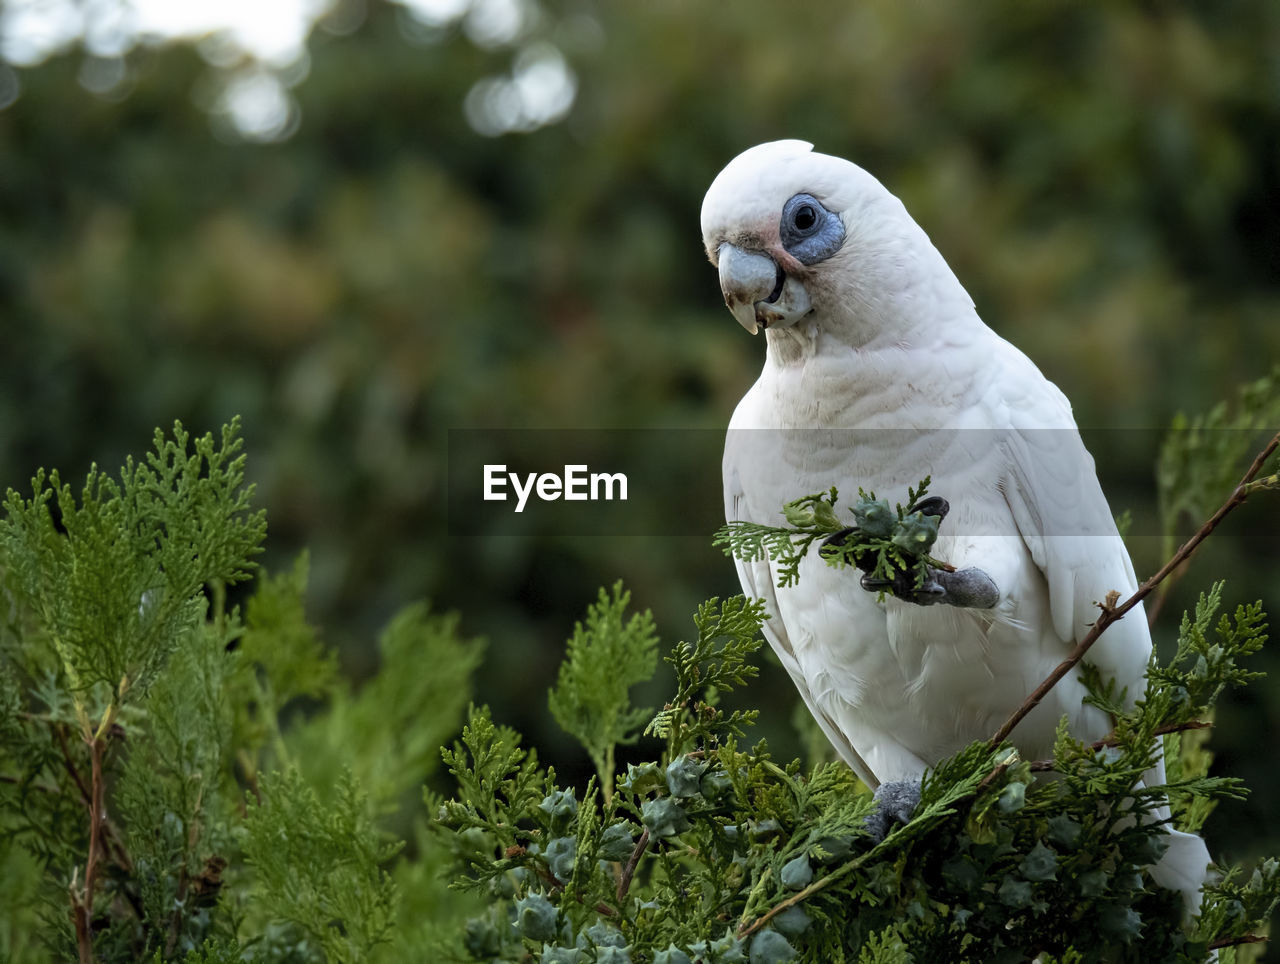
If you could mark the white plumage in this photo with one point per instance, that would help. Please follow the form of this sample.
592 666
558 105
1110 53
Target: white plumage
879 371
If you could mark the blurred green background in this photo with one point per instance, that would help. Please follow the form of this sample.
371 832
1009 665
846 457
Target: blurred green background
442 214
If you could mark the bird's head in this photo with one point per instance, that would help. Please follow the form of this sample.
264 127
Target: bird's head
799 235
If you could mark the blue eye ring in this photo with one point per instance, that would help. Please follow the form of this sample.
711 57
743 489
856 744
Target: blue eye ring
809 232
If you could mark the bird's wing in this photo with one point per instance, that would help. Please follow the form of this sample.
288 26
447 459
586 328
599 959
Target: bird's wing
757 581
1063 517
1059 509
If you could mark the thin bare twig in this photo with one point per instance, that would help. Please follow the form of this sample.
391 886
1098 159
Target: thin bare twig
82 902
1042 765
69 765
624 882
111 836
745 930
1112 611
994 775
1232 941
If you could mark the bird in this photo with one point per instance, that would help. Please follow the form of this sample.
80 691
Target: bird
878 370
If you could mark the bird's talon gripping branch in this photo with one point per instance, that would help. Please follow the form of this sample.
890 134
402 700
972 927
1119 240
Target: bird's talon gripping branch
895 802
966 588
903 586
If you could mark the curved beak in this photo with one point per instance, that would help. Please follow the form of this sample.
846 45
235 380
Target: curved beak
758 292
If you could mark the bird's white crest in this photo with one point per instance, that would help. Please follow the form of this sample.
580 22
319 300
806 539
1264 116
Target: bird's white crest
749 193
869 289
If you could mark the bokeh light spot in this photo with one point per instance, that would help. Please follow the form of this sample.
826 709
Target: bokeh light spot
258 106
540 91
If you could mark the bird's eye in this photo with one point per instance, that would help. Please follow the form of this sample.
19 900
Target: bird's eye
808 231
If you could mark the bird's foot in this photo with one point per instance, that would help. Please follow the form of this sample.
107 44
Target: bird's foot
966 588
895 802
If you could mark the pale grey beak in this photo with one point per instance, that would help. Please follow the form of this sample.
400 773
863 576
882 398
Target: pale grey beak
758 292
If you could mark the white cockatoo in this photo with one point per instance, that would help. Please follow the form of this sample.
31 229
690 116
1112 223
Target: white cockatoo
877 372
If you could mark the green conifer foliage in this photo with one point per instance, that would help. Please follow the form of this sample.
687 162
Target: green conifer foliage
112 580
740 857
185 781
604 658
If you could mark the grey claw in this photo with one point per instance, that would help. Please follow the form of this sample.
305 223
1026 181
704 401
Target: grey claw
968 588
934 505
931 592
895 802
875 585
838 538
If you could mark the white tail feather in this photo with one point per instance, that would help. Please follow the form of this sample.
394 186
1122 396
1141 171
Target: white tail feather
1185 865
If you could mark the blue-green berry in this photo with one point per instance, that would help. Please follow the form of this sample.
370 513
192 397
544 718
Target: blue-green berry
560 856
684 776
763 829
616 842
561 806
770 947
664 817
916 533
797 874
536 918
481 937
1093 883
603 935
793 921
672 955
1012 798
562 955
714 784
874 517
728 950
641 779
